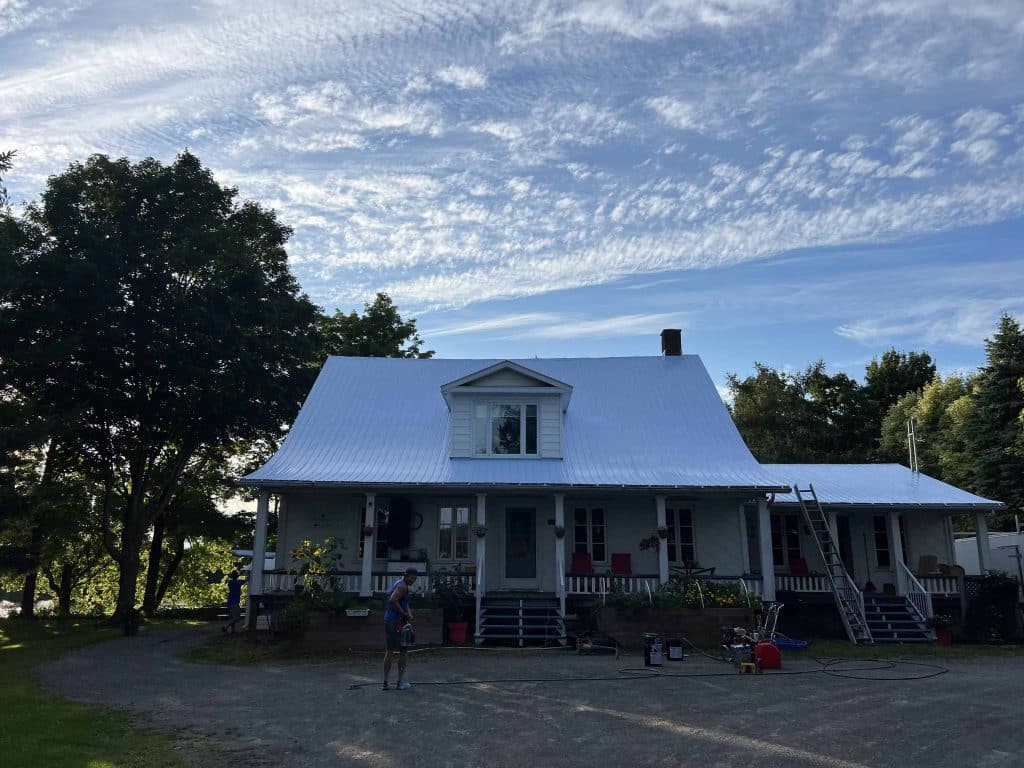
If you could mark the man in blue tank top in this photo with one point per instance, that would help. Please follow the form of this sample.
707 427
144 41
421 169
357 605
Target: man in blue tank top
396 614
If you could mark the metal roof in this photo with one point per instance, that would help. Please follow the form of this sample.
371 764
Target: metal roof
652 422
876 485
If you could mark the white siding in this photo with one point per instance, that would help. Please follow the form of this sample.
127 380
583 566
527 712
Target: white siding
507 378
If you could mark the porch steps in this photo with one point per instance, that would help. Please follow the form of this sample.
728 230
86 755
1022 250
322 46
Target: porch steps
893 619
847 596
521 619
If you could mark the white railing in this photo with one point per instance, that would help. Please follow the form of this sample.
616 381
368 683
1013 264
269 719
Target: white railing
940 585
286 581
591 584
917 594
802 583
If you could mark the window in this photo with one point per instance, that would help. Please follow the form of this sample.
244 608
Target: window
505 429
785 539
882 553
589 532
380 542
680 535
453 541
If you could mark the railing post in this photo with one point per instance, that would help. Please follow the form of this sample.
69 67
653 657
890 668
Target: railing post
369 546
764 530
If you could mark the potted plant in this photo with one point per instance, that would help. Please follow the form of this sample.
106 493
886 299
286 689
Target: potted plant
479 531
559 531
450 588
941 623
367 530
662 532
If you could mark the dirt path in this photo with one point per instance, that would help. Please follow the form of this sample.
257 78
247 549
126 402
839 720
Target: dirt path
306 715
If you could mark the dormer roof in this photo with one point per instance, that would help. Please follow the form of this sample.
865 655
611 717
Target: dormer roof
527 382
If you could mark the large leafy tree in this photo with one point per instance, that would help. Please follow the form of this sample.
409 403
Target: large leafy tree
892 376
155 316
940 448
379 332
992 429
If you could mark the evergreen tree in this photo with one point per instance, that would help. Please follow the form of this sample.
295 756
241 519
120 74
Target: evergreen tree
992 431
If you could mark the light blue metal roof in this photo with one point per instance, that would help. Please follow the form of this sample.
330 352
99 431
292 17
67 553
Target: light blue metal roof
653 422
881 485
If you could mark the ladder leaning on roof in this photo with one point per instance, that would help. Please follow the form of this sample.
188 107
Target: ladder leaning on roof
849 599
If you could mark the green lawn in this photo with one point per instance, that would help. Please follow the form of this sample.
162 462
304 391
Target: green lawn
40 729
838 649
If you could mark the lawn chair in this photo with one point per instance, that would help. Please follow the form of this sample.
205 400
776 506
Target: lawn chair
581 563
622 564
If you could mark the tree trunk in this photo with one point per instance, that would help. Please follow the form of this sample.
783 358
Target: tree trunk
64 591
28 595
150 600
172 568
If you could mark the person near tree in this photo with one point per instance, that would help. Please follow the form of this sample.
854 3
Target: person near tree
234 600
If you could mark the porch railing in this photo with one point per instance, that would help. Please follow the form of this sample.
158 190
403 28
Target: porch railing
802 583
593 584
284 581
940 585
917 594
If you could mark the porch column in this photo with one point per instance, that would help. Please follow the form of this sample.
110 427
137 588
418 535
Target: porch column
662 544
481 543
984 551
369 547
896 543
560 545
259 553
744 547
764 538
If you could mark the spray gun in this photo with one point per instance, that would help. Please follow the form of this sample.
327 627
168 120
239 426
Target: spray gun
407 637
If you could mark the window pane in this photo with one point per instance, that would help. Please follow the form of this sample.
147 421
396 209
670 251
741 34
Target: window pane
480 429
792 537
881 543
580 516
505 429
462 533
597 516
444 547
598 555
670 542
778 553
531 429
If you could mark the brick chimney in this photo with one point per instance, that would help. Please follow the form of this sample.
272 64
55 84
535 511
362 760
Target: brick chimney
672 342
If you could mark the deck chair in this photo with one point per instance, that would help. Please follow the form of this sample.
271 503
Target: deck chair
927 564
622 564
798 566
581 563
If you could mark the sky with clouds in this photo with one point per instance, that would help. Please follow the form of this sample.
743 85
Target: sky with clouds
784 180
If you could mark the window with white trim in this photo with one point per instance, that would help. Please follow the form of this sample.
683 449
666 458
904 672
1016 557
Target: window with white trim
883 549
505 429
785 539
680 535
381 549
453 533
589 532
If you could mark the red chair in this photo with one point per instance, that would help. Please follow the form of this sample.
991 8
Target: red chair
622 564
798 566
581 563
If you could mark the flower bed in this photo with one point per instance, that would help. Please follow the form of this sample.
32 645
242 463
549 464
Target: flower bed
328 632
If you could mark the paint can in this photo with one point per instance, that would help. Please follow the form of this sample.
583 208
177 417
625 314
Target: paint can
675 649
652 649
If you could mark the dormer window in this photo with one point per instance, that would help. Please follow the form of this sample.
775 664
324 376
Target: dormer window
505 429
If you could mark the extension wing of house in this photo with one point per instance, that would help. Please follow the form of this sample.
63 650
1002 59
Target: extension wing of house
552 480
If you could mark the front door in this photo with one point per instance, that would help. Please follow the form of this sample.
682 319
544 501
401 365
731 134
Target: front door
520 544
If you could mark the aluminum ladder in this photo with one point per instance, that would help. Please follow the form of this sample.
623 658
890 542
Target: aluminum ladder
849 599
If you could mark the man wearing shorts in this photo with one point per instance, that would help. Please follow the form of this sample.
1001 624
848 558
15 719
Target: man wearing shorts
396 615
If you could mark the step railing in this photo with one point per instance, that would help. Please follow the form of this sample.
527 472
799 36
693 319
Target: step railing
917 595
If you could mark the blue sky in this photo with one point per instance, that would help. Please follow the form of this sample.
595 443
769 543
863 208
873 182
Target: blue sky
783 180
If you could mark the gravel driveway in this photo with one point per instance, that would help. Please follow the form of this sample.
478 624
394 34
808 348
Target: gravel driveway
306 714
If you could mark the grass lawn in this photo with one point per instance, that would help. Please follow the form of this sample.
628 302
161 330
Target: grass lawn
40 729
838 649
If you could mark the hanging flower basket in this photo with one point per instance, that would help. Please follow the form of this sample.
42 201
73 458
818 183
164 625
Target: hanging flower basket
367 530
662 532
559 531
479 531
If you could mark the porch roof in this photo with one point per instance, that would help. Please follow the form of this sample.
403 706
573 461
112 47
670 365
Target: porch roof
651 422
874 485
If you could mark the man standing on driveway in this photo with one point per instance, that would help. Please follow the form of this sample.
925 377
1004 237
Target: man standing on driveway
396 615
